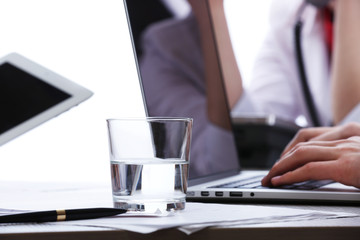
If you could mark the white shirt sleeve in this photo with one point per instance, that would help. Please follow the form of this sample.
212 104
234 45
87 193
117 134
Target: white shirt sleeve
244 105
274 88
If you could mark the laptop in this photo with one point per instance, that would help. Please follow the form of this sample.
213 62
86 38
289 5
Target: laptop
161 62
31 94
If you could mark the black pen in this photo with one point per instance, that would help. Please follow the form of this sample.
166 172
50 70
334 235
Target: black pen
61 215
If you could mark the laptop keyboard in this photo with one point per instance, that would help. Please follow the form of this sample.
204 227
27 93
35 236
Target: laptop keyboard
307 185
255 182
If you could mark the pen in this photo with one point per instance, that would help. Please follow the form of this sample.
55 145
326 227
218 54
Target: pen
61 215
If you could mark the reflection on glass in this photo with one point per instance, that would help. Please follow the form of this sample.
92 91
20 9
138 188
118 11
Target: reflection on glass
171 65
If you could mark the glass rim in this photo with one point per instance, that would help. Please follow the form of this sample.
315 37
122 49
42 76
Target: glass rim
183 119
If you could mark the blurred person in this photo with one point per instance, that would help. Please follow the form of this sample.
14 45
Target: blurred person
179 71
176 83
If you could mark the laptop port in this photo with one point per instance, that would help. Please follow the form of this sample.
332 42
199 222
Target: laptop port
190 194
205 194
219 194
236 194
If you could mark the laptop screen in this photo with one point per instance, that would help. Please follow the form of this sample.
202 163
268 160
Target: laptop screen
170 64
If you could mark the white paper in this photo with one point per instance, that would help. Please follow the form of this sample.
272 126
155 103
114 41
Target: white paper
196 216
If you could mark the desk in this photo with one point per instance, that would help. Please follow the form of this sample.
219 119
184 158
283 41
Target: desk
338 228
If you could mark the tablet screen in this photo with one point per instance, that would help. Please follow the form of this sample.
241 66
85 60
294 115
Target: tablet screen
23 96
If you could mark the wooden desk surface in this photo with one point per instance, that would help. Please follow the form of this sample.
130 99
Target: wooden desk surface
338 228
342 232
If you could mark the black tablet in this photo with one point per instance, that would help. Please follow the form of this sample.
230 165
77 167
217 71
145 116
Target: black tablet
30 94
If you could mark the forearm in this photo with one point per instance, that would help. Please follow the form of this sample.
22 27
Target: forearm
346 70
229 67
209 12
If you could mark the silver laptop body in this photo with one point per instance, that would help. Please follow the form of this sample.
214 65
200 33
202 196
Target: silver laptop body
231 184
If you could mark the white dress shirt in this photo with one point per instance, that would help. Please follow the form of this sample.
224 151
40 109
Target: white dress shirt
276 86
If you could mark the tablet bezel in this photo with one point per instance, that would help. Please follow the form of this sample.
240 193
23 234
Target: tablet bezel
77 94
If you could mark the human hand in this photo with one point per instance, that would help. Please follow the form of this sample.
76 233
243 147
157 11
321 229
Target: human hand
318 154
323 134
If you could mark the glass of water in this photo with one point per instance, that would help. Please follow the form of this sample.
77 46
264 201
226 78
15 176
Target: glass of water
149 163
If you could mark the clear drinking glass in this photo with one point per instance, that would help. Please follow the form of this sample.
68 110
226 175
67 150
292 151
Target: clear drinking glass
149 162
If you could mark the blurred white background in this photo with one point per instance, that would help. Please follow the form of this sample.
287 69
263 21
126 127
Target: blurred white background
88 42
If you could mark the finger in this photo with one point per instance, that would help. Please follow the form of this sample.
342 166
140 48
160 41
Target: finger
299 157
342 145
312 171
354 138
305 135
335 134
312 143
340 132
